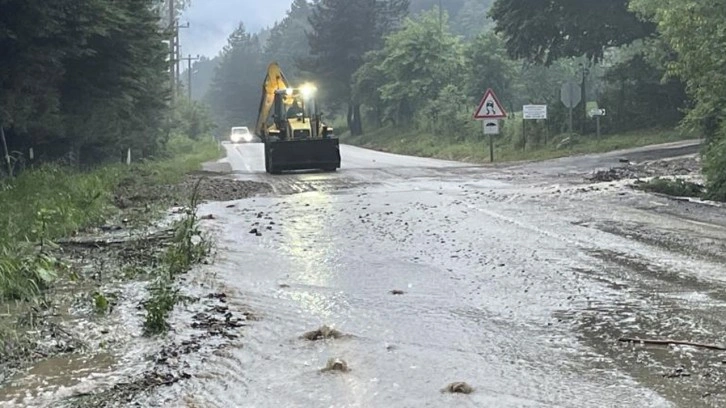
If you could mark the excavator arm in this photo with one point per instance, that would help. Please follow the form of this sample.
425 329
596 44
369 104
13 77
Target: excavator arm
274 80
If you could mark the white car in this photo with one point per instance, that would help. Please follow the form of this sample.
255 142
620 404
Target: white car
241 134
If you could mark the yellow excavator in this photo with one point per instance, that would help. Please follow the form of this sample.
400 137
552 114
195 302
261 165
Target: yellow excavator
291 127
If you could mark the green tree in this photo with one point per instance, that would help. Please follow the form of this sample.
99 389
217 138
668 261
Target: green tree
418 62
202 76
452 7
489 67
542 31
473 18
342 32
638 92
696 31
89 74
114 98
288 42
234 95
367 83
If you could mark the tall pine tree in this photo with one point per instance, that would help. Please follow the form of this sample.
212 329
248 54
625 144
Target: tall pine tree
343 31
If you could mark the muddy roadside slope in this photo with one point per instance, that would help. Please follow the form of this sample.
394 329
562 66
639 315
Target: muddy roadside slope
84 342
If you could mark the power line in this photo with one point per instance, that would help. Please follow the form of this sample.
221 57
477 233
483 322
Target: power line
189 60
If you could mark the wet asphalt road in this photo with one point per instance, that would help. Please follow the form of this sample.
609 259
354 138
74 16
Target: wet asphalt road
516 279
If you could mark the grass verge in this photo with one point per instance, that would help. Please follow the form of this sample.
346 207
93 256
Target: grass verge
476 148
51 202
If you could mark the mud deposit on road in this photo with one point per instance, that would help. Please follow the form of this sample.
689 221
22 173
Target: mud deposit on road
82 345
216 187
681 166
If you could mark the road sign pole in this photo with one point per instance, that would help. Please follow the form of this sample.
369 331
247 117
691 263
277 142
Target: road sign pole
491 140
524 135
570 119
597 121
491 148
547 130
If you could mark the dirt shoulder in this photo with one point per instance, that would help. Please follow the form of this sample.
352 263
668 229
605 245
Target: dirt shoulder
90 324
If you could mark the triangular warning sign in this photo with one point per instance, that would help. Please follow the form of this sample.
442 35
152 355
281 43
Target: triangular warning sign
490 107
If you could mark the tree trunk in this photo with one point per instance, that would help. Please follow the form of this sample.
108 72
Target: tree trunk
349 118
358 120
355 124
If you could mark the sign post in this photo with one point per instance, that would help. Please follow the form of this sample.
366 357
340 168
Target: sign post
490 110
597 113
570 95
532 112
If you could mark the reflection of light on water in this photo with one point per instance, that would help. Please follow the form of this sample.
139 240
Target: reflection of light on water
308 241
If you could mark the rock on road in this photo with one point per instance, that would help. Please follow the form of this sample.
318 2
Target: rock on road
518 280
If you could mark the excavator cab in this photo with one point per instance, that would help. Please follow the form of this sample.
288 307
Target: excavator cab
296 138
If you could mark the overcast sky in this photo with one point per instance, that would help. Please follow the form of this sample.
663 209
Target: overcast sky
212 21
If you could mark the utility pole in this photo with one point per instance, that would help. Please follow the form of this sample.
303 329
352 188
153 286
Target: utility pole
441 17
189 60
585 73
172 49
179 55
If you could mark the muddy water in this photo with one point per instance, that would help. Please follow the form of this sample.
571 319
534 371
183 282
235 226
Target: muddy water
482 284
59 376
108 350
521 291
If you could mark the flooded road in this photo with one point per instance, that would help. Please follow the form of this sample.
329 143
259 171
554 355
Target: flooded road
444 272
519 280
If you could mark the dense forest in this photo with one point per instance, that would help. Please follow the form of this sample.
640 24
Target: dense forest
85 80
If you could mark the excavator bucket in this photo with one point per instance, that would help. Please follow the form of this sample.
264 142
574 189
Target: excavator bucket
323 154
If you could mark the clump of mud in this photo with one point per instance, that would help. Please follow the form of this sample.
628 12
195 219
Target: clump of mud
336 364
458 387
323 333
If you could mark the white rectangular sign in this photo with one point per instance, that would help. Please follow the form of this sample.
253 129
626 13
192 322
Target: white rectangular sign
534 111
491 127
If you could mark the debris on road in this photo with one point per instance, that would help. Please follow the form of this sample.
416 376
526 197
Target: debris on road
323 333
336 364
671 342
677 373
685 166
397 292
458 387
614 174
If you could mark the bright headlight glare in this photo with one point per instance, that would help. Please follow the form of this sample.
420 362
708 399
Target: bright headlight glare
308 90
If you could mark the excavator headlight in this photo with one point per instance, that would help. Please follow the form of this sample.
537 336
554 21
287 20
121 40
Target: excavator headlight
308 90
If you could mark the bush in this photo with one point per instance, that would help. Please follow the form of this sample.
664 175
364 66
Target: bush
677 187
714 167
